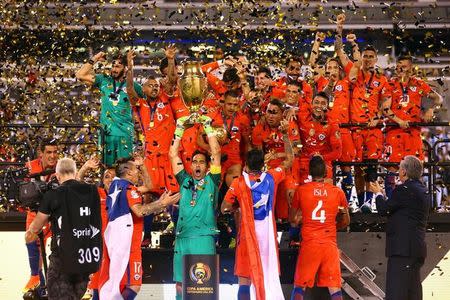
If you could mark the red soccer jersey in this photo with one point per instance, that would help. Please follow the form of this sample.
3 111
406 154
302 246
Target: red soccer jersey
134 197
317 137
339 111
319 203
157 123
271 139
368 90
236 127
407 98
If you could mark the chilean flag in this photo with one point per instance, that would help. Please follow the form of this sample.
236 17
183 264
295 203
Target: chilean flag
117 239
258 225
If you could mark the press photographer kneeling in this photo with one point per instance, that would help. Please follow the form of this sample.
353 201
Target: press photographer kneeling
76 247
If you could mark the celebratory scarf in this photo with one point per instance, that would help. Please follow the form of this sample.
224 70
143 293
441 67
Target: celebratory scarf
117 237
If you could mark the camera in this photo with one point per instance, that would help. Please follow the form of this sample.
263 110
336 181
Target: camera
19 188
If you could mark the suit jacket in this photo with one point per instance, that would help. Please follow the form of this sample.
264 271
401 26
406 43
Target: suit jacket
407 212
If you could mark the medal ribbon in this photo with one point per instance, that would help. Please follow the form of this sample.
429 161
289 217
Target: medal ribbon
367 85
224 119
116 91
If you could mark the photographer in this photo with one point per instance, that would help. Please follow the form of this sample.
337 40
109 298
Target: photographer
46 161
74 212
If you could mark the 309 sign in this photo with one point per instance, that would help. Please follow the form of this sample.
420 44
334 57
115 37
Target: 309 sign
86 255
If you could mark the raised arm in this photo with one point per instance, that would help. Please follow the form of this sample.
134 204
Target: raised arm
315 51
338 45
131 92
287 163
142 210
212 141
353 74
86 74
351 38
174 151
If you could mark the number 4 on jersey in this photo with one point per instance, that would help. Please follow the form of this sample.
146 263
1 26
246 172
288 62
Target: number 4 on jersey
321 217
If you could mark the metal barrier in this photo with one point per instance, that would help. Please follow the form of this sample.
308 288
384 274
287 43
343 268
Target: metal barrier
432 164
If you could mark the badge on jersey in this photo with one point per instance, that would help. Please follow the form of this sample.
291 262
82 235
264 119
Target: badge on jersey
339 88
322 136
413 88
134 194
376 83
160 105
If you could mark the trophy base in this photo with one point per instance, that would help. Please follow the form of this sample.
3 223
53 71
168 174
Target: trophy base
192 120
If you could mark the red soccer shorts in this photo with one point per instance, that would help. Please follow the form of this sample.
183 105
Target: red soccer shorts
161 174
368 143
400 142
348 148
281 204
304 170
321 259
133 273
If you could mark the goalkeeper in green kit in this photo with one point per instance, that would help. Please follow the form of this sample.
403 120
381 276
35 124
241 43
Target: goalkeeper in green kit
196 226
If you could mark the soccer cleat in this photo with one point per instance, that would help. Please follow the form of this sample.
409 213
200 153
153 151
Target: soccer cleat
32 283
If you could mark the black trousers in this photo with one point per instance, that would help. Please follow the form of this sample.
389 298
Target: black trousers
403 278
62 287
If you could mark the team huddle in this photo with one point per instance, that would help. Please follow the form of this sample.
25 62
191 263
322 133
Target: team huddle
261 149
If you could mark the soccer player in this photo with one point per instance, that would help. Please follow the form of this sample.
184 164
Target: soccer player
158 125
47 160
196 226
255 193
293 73
237 131
319 136
370 97
121 270
407 94
337 86
321 208
116 113
269 138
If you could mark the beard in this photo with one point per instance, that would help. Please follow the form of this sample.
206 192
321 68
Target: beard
119 75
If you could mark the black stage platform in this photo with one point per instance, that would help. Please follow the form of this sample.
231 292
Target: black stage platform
364 244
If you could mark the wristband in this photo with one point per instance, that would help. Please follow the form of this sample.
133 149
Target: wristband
179 132
209 130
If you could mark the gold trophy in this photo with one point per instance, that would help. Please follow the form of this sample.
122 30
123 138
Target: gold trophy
193 85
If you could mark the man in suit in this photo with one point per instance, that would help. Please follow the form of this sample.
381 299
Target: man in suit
407 212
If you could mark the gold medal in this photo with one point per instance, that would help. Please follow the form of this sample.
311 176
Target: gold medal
367 95
193 202
152 124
